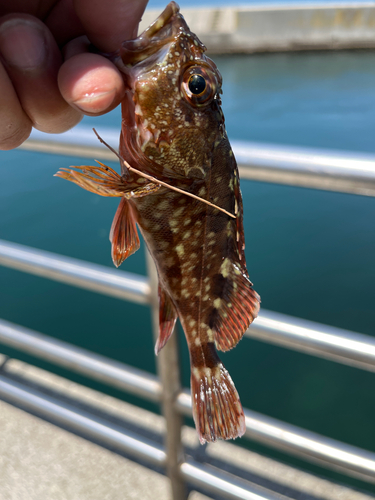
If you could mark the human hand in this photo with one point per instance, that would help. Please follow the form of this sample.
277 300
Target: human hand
48 79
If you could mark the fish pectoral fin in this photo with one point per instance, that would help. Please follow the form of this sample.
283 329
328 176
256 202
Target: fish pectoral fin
123 234
101 180
167 319
236 310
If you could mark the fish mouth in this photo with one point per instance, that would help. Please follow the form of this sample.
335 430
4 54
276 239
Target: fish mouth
156 36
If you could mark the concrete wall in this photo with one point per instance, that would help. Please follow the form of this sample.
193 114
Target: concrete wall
264 28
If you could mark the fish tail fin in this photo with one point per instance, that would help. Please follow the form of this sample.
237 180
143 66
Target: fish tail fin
217 409
123 235
101 180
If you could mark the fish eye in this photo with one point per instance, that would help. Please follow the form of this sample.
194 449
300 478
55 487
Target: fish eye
197 84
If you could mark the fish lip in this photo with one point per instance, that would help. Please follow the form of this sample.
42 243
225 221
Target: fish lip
158 34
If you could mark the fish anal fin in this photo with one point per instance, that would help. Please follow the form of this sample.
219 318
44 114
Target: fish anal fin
236 309
217 409
123 234
167 319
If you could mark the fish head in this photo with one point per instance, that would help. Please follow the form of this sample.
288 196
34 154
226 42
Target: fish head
173 101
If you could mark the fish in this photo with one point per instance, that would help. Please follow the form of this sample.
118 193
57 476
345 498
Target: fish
180 185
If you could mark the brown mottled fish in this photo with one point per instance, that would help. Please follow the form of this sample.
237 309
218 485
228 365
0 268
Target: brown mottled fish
173 131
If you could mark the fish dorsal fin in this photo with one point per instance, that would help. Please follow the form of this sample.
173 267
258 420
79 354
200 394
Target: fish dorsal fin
167 319
123 234
238 307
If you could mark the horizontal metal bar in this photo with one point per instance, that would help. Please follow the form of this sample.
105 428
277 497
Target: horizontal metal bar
219 482
81 361
310 446
81 421
296 166
80 141
327 162
299 442
307 167
75 272
350 348
343 346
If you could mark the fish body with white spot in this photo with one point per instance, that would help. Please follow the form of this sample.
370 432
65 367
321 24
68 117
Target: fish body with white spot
173 130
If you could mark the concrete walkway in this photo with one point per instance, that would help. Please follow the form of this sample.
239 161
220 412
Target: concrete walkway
280 27
39 461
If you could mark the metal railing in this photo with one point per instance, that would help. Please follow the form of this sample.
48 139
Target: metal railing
294 166
204 476
333 343
353 349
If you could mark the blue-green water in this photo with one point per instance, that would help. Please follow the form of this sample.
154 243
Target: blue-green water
310 253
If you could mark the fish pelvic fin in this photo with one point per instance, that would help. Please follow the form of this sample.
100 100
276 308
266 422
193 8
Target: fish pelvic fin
236 310
167 319
217 410
102 180
123 235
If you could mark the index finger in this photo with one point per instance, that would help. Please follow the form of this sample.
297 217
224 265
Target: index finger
107 24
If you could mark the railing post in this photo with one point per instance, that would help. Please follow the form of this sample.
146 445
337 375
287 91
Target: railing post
169 372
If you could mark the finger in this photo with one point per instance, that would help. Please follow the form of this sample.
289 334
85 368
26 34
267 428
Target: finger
107 24
15 126
77 46
39 8
91 83
32 59
63 22
58 15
